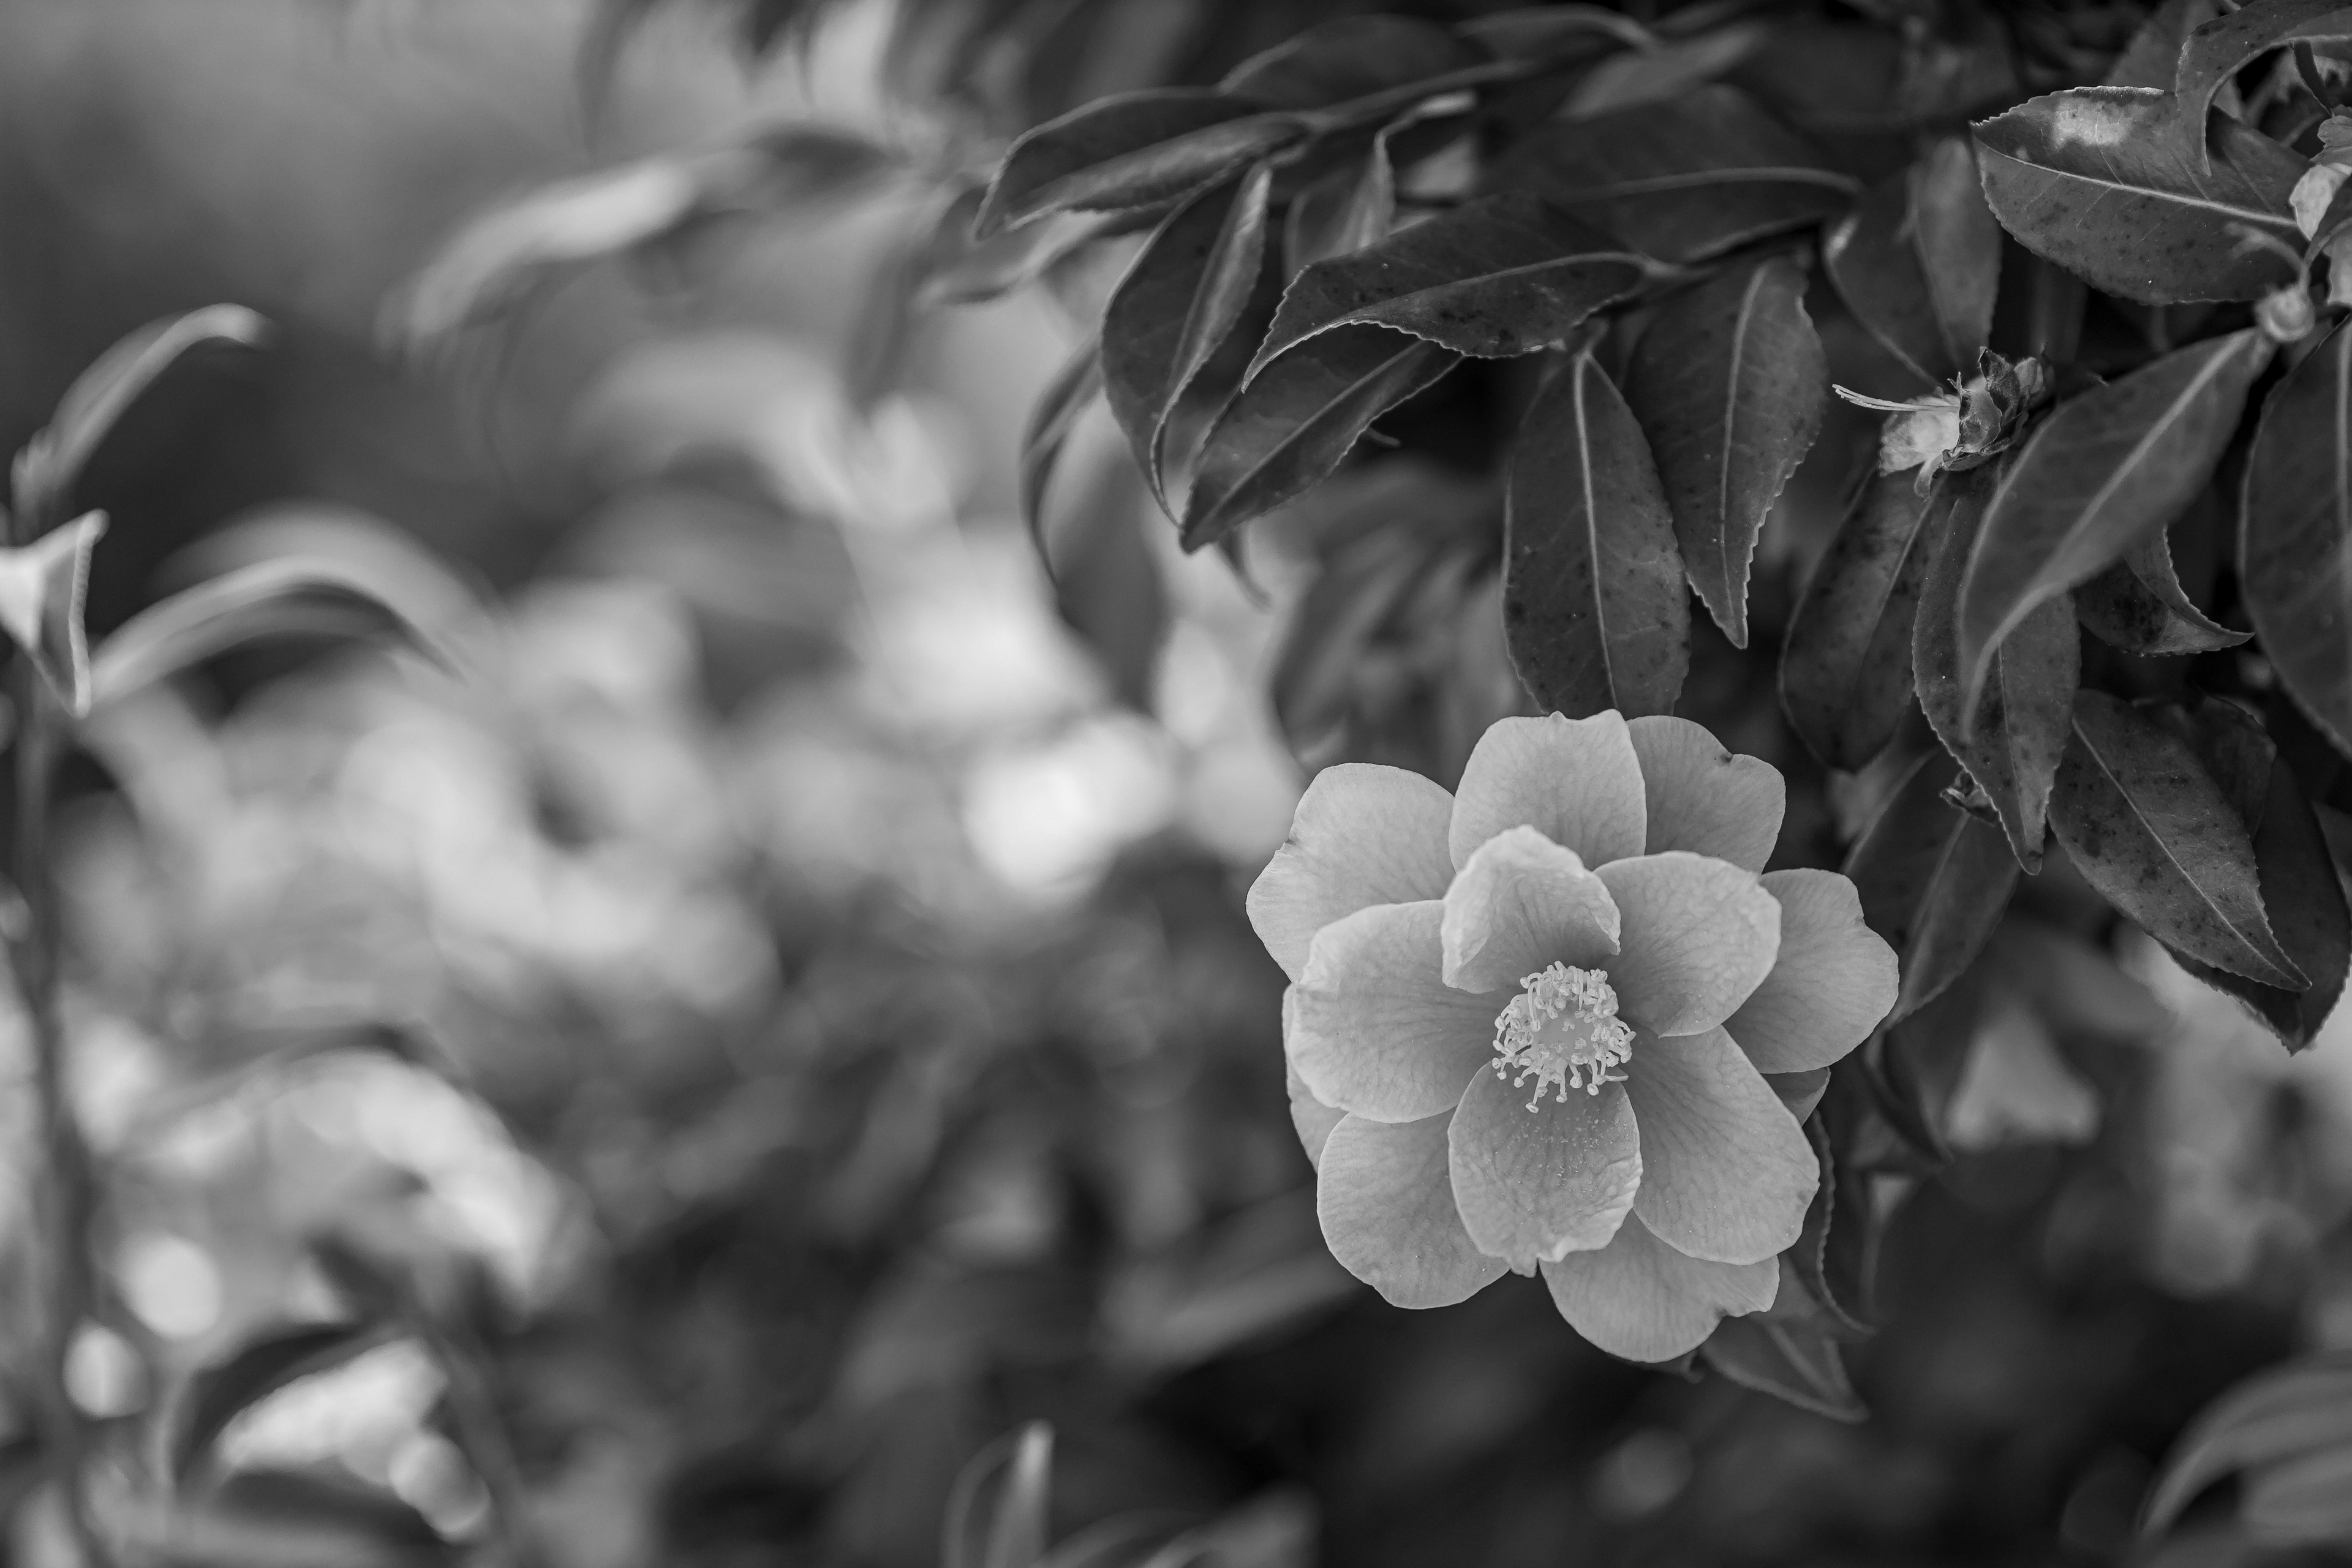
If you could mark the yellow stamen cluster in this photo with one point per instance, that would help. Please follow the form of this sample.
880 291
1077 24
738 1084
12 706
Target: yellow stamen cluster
1563 1029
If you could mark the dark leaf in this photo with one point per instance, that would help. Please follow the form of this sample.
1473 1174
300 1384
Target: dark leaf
2111 467
43 585
2011 739
2151 831
1131 150
1295 422
301 1519
2302 895
2290 1413
1932 882
2294 560
1057 409
1790 1352
997 1511
1552 32
1669 71
1915 1067
1845 665
51 463
1681 180
1835 1255
2218 49
1729 382
1177 304
1595 606
1504 275
1917 262
1348 57
1325 644
2138 606
1107 581
2094 180
1347 210
221 1392
2152 58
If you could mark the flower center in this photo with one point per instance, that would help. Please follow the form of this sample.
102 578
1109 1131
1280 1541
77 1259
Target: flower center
1563 1030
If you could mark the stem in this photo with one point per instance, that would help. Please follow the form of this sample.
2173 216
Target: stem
482 1437
66 1205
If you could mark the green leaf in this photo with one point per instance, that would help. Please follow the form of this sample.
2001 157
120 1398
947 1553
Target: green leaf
1294 423
1918 260
2157 837
1134 150
996 1514
42 587
219 1393
2137 604
51 463
2290 1413
1664 72
1681 180
2152 58
1728 381
2109 467
2012 738
1790 1352
1348 57
288 597
1846 664
2302 895
1177 304
1504 275
2295 554
2220 48
1347 210
1594 608
1933 881
1051 419
2094 180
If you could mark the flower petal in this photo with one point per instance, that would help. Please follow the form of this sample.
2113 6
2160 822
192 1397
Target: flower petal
1696 936
1703 797
1371 1026
1639 1298
1800 1091
1538 1185
1833 980
1726 1171
1362 835
1575 781
1311 1118
1387 1213
1519 903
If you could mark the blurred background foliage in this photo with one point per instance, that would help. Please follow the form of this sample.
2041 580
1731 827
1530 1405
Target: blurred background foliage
782 1019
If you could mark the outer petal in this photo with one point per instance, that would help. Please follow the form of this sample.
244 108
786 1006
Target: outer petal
1833 981
1362 835
1538 1185
1726 1171
1696 936
1800 1091
1387 1213
1705 798
1575 781
1521 902
1312 1118
1372 1030
1640 1298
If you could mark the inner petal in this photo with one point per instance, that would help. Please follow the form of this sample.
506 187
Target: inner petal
1563 1031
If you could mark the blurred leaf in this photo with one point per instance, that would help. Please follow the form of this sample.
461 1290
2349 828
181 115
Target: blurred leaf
1106 580
1273 1531
1553 32
1680 181
2111 467
2012 739
2294 560
997 1513
1836 1253
1285 431
1791 1352
1504 275
1595 606
1846 663
284 598
1348 209
1933 881
2094 180
1348 58
219 1393
1660 74
2137 604
51 464
42 587
1135 150
305 1518
1055 413
1259 1273
969 272
2015 1086
1179 301
2292 1412
2152 58
2302 895
2151 831
1728 383
1917 261
2218 49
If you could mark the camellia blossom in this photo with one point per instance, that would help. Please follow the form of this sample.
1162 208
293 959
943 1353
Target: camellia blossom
1541 1025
